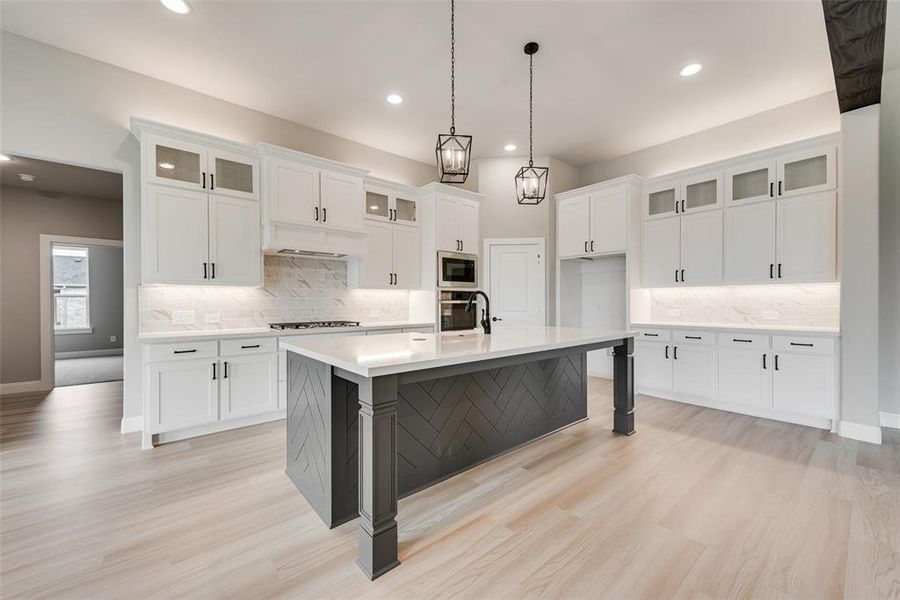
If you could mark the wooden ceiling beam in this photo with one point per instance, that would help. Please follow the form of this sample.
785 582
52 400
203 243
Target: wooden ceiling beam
856 39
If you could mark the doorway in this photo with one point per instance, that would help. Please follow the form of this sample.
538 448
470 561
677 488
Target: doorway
515 278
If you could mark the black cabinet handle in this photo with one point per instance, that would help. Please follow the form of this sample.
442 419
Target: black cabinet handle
779 270
204 271
741 341
676 207
585 247
676 275
249 346
592 245
212 181
776 362
395 279
682 205
771 270
390 278
771 189
675 352
652 334
213 270
324 214
317 214
682 276
764 362
801 344
185 351
693 337
214 371
203 185
667 351
226 370
779 193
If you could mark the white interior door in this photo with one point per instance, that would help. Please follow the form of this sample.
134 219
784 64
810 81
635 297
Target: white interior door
661 248
807 238
701 248
517 289
573 227
468 226
378 261
234 250
406 257
176 242
750 243
448 224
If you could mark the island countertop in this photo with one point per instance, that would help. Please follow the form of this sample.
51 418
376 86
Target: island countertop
373 356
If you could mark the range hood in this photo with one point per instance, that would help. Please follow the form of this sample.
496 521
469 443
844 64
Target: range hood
288 239
291 252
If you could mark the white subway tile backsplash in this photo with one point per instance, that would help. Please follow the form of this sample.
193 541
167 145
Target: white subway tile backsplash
296 289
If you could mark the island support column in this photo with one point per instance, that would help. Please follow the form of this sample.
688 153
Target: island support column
377 475
623 387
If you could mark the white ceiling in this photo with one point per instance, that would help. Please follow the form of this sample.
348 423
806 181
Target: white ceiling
607 78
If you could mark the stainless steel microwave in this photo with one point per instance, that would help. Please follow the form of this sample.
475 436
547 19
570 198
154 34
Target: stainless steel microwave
457 270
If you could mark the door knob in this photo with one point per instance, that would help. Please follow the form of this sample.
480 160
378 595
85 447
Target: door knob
496 319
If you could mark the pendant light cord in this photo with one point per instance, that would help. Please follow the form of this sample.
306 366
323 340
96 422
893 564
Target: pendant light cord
452 67
531 110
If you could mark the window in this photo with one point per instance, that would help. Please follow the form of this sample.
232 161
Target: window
71 289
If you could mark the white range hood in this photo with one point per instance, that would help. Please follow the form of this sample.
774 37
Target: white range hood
283 239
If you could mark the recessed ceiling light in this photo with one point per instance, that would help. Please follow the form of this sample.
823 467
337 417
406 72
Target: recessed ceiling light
510 147
166 165
26 177
177 6
394 99
4 158
691 69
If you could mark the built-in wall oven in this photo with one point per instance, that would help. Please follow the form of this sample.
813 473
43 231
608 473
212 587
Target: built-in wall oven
457 270
453 313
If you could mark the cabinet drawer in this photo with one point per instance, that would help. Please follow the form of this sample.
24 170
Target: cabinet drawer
807 345
182 351
744 340
652 335
248 346
694 337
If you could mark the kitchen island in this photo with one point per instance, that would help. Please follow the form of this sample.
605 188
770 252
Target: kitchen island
371 419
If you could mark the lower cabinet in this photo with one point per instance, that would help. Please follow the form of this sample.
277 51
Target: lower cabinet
182 393
248 385
694 370
652 367
745 377
803 383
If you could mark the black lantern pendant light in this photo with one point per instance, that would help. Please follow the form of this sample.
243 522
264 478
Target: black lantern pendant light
453 151
531 181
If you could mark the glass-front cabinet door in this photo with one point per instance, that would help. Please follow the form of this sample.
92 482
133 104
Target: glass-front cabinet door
232 174
701 192
750 182
807 171
177 163
404 210
377 206
660 199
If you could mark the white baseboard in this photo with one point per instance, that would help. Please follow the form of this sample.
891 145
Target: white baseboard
862 433
89 353
891 420
131 424
218 426
23 387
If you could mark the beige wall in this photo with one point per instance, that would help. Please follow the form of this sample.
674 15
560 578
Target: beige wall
797 121
24 215
889 284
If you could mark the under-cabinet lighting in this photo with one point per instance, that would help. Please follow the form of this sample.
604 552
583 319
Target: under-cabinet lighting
177 6
4 158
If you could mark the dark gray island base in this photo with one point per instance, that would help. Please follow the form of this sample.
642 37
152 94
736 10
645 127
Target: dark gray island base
356 444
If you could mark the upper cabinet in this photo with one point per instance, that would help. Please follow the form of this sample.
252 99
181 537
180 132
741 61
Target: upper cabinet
806 171
750 182
593 224
457 224
675 196
661 198
394 203
292 191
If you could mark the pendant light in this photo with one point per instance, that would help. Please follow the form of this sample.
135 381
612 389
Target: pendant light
531 181
453 151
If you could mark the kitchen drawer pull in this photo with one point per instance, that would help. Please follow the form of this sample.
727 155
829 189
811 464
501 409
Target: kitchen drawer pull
249 346
185 351
801 344
741 341
693 337
652 334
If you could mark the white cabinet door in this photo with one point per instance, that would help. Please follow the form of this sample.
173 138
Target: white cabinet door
661 248
405 210
750 243
234 249
573 226
343 199
701 192
468 226
609 222
806 171
660 198
248 385
744 377
694 370
652 366
377 264
701 248
182 393
807 238
293 193
175 236
448 224
232 174
750 182
175 163
406 257
803 383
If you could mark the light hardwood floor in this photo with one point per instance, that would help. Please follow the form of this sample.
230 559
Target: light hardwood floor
699 504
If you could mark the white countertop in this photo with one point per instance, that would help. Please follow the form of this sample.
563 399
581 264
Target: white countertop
371 356
764 329
217 334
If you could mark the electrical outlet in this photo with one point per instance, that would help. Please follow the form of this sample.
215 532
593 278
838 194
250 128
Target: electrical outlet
183 317
112 338
213 318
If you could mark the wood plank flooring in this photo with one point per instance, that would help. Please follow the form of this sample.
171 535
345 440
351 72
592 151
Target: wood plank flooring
699 504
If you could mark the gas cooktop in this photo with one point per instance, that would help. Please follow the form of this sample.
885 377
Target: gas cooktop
313 324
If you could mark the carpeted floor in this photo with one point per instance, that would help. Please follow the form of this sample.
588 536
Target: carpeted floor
77 371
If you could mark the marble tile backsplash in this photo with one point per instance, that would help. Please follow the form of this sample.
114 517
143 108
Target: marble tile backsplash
802 305
296 289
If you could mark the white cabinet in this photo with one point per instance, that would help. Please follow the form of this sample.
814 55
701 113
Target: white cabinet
750 248
750 182
701 248
182 393
573 225
661 197
387 201
609 221
196 237
694 371
807 238
248 385
292 192
234 245
803 383
393 257
700 192
745 376
661 252
457 224
806 171
233 174
342 200
406 257
652 366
